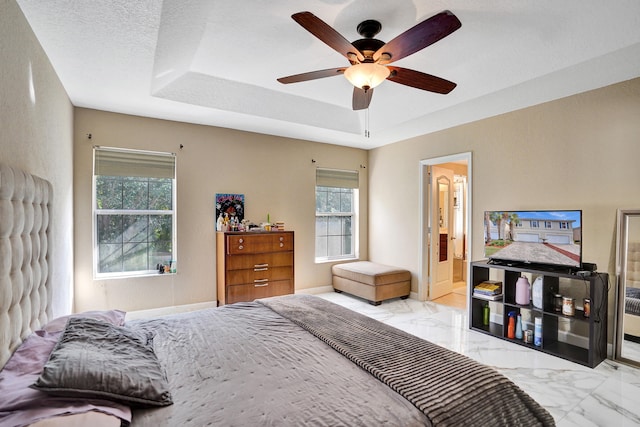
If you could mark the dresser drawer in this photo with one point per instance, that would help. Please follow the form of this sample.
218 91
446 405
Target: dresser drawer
259 275
249 292
273 259
259 243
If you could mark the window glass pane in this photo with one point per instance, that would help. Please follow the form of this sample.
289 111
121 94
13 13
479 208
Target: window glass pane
321 246
160 194
334 246
346 245
109 228
335 225
135 193
135 256
321 199
345 201
333 202
134 228
321 226
108 192
346 225
110 257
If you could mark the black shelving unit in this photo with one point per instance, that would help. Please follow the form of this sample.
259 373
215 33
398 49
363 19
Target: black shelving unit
592 330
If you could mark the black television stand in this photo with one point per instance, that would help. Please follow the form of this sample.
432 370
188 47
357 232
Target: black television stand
581 337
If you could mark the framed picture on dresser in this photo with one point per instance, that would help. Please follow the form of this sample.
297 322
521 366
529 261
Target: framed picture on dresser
230 204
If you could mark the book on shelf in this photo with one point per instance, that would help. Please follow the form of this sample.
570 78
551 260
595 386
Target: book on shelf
488 287
487 297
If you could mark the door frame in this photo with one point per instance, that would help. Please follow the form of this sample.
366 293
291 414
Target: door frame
425 191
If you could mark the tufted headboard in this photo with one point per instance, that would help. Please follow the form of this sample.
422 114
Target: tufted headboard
633 265
25 291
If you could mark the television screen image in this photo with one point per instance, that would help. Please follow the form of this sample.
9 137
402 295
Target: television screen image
550 237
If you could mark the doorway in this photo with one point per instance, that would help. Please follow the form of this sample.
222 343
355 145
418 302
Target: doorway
445 190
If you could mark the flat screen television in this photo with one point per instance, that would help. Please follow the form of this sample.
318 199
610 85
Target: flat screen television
547 238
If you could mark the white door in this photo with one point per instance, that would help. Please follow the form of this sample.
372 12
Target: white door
441 225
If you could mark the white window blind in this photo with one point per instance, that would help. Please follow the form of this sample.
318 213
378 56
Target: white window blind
119 162
336 178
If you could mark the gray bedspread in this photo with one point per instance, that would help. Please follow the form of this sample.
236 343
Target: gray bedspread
632 301
300 360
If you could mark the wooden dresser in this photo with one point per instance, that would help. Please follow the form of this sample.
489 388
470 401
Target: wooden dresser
253 265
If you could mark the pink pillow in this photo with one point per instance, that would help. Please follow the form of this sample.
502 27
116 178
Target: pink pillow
115 317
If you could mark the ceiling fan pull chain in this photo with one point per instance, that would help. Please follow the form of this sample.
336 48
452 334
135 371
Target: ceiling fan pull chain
366 123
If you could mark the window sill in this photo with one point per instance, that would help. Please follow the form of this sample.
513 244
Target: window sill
337 259
131 276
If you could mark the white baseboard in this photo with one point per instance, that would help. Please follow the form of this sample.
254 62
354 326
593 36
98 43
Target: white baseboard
316 290
162 311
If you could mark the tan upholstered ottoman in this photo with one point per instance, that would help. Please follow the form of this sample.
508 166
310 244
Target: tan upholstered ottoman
371 281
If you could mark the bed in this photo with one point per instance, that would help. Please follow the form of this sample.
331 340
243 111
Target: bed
632 293
290 360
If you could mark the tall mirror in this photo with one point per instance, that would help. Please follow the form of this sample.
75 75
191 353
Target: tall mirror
627 343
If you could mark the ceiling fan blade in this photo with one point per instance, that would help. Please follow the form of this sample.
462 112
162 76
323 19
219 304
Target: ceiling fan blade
328 35
419 36
420 80
361 98
312 75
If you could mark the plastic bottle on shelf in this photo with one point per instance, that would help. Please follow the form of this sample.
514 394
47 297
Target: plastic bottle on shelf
519 327
511 328
537 332
485 314
523 291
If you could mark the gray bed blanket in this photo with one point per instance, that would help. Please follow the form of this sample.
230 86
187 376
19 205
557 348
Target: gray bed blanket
632 301
449 388
245 365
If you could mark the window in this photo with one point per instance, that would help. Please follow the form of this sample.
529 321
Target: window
534 224
336 209
134 211
547 224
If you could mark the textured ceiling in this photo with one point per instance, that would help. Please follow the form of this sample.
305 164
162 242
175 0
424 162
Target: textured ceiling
215 62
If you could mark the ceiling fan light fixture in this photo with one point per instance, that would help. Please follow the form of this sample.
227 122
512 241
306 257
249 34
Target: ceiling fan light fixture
366 75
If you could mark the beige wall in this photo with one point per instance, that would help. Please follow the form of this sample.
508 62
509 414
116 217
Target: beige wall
276 175
580 152
36 121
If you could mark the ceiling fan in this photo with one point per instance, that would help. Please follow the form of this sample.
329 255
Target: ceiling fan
369 56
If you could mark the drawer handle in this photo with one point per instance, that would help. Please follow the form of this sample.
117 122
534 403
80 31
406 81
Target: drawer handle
261 265
260 285
240 240
281 245
261 269
260 280
241 247
281 239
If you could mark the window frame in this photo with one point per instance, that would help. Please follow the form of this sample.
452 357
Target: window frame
353 214
131 212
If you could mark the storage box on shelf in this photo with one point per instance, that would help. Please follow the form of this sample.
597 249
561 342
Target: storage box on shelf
580 338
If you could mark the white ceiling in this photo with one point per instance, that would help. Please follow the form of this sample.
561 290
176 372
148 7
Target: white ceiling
215 62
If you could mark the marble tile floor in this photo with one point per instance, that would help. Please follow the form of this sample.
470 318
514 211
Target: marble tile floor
575 395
